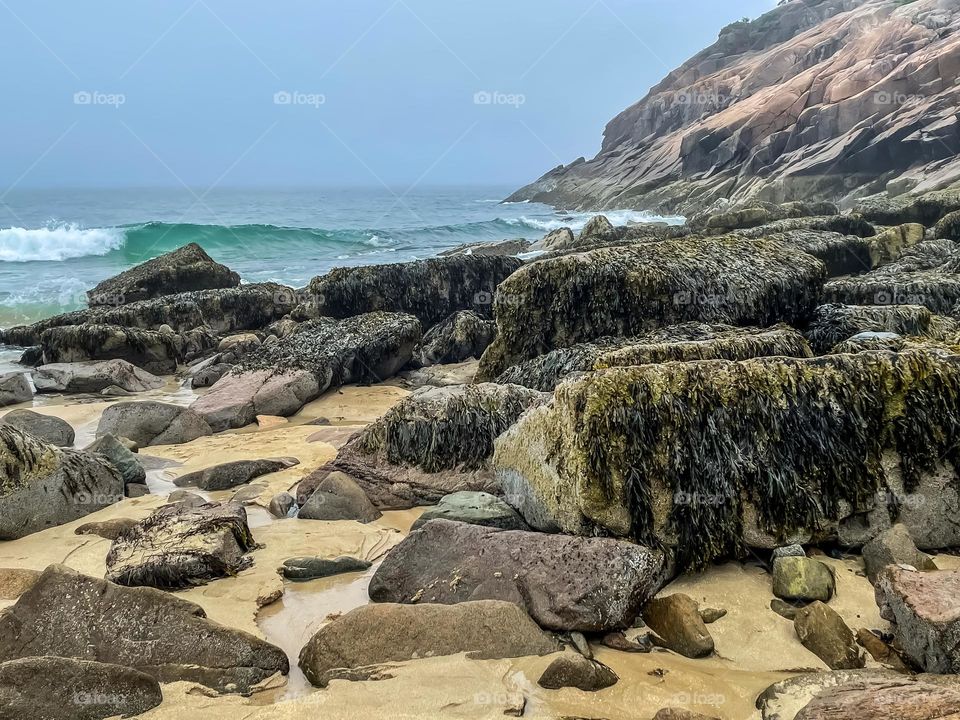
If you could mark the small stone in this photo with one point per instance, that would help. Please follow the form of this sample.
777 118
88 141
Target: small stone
14 388
271 421
783 609
802 578
581 644
676 619
185 497
115 391
794 550
311 568
574 670
824 633
879 650
135 490
680 714
109 529
711 615
619 641
281 504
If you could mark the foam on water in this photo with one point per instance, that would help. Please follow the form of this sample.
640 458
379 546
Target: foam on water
57 242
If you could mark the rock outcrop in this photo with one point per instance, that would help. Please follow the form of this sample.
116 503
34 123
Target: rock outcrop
706 457
185 269
565 583
70 615
42 485
813 100
434 442
627 291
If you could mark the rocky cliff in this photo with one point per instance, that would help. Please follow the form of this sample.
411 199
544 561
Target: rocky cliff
817 99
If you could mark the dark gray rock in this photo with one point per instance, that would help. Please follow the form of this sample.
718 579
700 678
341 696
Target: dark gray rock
152 423
894 547
231 474
93 377
14 388
108 529
496 248
338 497
312 568
56 688
66 614
42 485
120 457
463 335
476 508
574 670
565 583
281 504
48 428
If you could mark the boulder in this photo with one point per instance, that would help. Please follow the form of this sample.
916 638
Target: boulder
42 486
358 645
926 209
824 633
490 249
597 229
476 508
93 377
559 239
937 289
66 614
924 607
948 227
281 377
463 335
152 423
182 270
802 579
626 291
154 351
209 374
434 442
180 546
565 583
221 311
431 290
230 474
576 671
676 619
107 529
894 547
57 688
793 550
281 504
125 461
14 388
834 323
48 428
337 497
704 457
312 568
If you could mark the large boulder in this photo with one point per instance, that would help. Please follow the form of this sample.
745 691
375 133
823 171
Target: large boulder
565 583
463 335
434 442
802 579
185 269
48 428
181 545
228 475
152 423
222 311
154 351
687 342
14 388
924 608
361 644
93 377
705 457
57 688
626 291
42 485
280 378
430 289
67 614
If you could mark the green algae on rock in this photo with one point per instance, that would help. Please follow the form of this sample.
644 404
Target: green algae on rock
625 291
835 323
682 455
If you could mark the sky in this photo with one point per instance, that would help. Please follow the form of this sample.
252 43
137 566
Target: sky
303 93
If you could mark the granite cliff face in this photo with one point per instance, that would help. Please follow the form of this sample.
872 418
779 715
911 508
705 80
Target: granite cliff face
817 99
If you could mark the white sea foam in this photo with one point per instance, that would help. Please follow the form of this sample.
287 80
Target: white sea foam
576 220
57 242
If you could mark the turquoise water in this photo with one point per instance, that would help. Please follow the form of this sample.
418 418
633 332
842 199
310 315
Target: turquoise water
56 244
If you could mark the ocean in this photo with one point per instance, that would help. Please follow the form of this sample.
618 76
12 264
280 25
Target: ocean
56 244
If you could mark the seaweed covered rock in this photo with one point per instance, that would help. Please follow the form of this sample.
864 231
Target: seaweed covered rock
852 254
361 644
565 583
704 456
430 289
154 351
280 378
840 224
182 270
834 323
93 377
48 428
463 335
42 485
926 209
230 474
490 249
180 546
222 311
56 688
949 227
149 422
434 442
67 614
626 291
